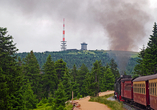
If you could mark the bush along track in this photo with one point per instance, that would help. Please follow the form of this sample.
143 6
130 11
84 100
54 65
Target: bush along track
114 105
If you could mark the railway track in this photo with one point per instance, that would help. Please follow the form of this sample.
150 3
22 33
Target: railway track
128 106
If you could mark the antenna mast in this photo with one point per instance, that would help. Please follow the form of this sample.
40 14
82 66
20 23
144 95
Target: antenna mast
63 46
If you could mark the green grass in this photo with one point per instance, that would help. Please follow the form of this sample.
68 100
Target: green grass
68 106
114 105
46 106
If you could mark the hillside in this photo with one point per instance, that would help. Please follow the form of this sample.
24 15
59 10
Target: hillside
88 57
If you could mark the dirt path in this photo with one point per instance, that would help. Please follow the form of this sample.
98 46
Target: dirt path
86 105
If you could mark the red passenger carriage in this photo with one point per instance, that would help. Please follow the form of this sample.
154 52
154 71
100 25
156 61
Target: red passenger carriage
141 91
145 91
153 91
126 89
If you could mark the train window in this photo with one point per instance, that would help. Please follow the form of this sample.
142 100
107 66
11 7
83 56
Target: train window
150 89
155 89
142 88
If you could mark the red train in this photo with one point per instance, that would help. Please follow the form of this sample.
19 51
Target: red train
141 91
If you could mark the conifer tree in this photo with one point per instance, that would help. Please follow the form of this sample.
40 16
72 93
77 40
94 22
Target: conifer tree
49 77
29 97
150 57
74 83
75 88
31 71
83 70
60 68
92 80
60 98
90 84
11 81
139 68
114 68
74 73
108 80
67 86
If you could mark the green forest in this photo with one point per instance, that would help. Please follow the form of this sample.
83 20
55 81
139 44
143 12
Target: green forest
46 80
24 84
87 57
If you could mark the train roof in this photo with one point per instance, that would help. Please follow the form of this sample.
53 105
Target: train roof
145 78
126 79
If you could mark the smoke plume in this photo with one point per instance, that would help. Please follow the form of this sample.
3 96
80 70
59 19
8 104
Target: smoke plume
124 23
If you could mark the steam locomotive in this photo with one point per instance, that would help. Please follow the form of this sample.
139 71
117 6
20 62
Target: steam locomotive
141 91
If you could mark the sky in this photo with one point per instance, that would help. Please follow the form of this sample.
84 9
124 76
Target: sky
103 24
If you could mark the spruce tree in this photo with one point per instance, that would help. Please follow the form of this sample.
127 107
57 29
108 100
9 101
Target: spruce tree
139 68
49 79
31 71
60 98
108 80
150 57
74 73
29 97
83 70
96 73
75 88
11 81
67 86
60 68
90 84
114 68
74 83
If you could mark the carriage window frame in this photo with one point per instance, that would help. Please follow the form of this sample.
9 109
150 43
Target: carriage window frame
153 88
139 88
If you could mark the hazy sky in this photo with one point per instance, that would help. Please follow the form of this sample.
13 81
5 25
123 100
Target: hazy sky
103 24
